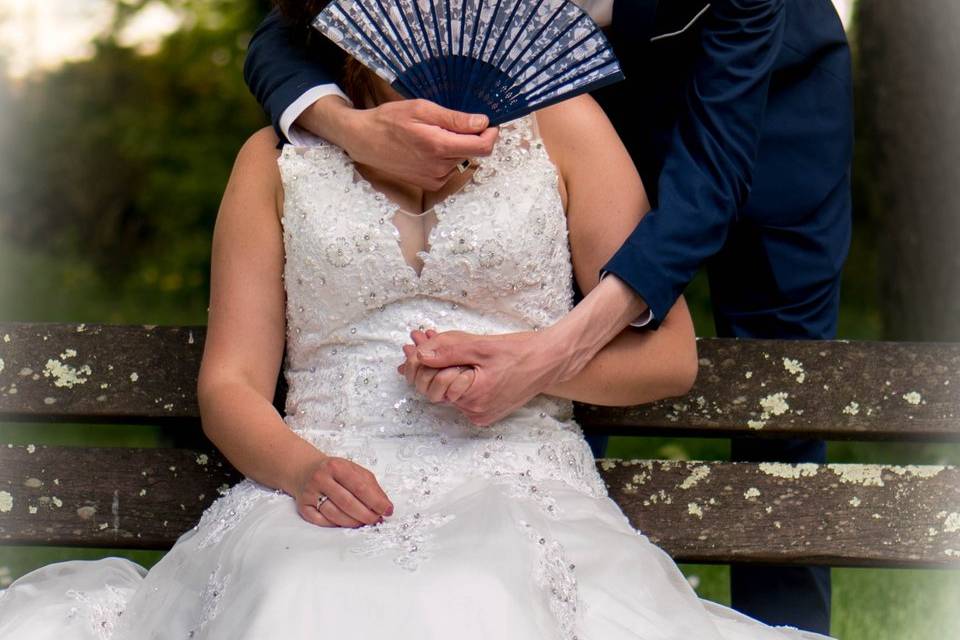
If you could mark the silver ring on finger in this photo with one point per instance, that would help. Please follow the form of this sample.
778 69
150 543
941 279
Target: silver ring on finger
321 499
463 165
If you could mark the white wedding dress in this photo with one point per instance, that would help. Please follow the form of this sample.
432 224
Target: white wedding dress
503 533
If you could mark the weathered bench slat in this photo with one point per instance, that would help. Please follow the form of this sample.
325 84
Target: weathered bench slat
834 390
851 514
93 373
102 497
699 512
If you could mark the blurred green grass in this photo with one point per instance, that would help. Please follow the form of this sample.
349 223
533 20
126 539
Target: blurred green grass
868 604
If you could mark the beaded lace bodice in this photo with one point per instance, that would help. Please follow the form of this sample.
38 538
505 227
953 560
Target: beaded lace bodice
498 262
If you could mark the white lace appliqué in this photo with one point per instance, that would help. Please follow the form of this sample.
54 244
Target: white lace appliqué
408 536
210 599
555 575
102 612
224 514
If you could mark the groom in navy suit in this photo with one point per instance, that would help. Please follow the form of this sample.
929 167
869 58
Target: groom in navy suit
738 116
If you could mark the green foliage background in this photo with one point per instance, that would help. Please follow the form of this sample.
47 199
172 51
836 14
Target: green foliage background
111 173
113 167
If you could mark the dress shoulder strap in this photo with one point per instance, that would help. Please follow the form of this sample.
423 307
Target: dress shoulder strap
320 161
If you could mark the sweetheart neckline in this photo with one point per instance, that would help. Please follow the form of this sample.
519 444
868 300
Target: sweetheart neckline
384 209
388 209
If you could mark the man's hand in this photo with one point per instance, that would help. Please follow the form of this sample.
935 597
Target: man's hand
417 141
510 369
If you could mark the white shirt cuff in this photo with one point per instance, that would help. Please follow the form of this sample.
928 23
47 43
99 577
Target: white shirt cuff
645 318
298 136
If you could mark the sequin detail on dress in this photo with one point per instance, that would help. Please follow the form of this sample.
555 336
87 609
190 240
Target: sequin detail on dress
407 538
101 612
210 599
224 514
555 575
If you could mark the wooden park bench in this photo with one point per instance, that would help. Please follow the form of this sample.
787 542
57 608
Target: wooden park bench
844 515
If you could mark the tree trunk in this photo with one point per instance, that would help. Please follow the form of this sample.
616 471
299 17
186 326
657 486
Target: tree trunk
908 97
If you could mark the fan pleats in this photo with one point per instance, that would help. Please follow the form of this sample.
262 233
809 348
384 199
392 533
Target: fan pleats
503 58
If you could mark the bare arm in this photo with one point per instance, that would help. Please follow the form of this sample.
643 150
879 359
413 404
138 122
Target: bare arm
244 349
605 200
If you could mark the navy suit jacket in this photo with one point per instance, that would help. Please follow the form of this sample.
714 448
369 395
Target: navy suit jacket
733 110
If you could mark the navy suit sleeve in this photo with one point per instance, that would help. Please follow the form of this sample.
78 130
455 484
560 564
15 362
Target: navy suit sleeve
708 169
279 67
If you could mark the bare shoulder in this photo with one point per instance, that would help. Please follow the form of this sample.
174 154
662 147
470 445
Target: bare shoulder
259 150
573 123
580 111
254 183
577 132
255 175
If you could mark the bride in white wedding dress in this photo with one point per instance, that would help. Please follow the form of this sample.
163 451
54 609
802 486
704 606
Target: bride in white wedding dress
370 511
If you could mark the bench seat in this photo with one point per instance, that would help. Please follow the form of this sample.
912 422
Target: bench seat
840 515
853 515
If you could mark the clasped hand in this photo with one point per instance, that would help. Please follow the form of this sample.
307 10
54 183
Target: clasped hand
485 377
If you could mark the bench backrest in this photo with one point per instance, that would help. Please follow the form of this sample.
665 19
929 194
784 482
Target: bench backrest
700 512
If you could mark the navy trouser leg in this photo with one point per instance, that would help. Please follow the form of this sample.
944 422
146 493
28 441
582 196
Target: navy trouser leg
779 595
779 283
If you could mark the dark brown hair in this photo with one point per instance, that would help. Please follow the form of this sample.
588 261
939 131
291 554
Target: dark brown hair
301 12
355 79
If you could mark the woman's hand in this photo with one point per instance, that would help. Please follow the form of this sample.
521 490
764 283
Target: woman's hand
439 386
354 497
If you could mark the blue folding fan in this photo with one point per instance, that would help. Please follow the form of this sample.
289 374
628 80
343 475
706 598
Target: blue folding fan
502 58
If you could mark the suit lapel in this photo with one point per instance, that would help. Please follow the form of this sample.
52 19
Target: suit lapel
651 20
676 18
